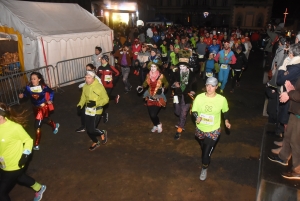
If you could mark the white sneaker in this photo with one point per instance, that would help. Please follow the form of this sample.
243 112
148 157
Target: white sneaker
154 129
203 174
159 128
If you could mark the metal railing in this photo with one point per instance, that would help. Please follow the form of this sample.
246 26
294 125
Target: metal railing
12 85
13 82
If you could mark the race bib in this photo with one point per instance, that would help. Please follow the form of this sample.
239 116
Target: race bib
107 78
164 55
200 56
2 163
175 99
207 119
90 111
209 74
37 89
224 66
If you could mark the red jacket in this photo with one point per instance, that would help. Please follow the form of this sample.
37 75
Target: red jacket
106 75
135 50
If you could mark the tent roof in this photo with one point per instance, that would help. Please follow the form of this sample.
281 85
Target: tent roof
40 19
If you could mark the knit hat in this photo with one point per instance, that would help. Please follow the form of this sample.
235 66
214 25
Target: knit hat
176 46
156 62
105 57
90 73
184 56
212 81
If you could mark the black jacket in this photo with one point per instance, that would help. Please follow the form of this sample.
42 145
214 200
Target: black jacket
241 61
191 86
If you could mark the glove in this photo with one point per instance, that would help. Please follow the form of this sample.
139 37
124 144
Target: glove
23 160
78 110
195 114
91 104
139 89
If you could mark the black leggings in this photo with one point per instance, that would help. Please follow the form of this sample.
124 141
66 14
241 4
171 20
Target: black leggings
91 123
207 146
9 179
153 112
236 76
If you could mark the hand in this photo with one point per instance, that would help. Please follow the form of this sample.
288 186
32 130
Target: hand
78 110
284 97
288 85
227 124
139 89
198 120
176 84
21 95
23 160
91 104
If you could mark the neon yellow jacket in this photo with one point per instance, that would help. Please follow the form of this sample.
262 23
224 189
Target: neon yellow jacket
14 140
94 92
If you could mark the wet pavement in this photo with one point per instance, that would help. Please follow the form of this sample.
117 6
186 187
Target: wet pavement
139 165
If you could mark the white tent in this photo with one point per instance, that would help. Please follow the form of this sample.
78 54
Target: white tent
52 32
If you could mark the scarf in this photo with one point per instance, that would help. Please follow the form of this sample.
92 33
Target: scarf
184 79
154 75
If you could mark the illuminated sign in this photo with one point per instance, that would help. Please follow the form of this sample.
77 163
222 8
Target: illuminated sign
115 5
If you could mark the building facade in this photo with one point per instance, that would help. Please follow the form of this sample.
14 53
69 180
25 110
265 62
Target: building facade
215 13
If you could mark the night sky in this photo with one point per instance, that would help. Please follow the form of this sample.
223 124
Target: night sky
292 6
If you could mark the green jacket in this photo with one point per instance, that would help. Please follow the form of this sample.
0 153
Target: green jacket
94 92
174 59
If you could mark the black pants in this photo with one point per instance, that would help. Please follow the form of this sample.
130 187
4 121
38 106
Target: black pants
111 97
153 113
82 116
9 180
207 147
236 77
91 123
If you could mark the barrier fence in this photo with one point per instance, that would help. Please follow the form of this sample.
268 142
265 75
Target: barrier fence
13 82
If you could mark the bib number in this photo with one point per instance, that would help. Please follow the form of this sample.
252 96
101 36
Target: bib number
37 89
200 56
207 119
224 66
90 111
209 74
107 78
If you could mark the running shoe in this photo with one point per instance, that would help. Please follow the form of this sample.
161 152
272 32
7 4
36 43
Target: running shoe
177 136
159 128
56 128
80 129
154 129
94 146
290 175
36 148
104 141
203 174
276 159
38 195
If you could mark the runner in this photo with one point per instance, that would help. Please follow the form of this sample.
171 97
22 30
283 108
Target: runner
93 98
96 58
41 97
16 146
154 95
207 109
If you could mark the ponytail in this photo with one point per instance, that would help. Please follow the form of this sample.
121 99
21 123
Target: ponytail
11 114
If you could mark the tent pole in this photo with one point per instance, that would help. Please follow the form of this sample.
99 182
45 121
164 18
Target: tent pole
45 60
